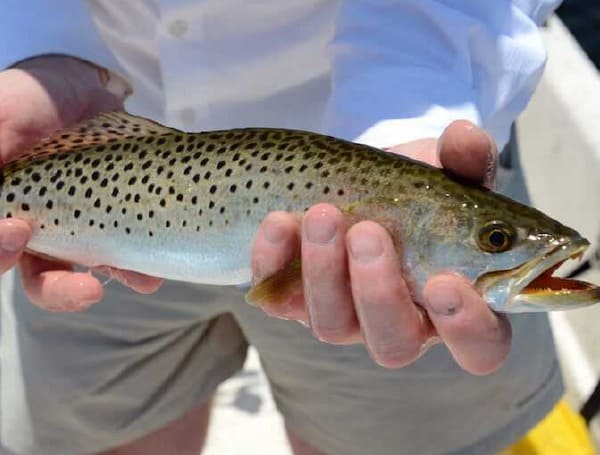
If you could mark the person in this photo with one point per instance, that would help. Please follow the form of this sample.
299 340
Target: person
134 374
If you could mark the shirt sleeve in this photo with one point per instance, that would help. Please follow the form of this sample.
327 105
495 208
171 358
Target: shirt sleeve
30 28
404 70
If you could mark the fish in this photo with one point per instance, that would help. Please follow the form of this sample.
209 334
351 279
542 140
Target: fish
124 191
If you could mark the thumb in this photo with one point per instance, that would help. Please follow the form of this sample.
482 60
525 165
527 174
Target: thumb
45 94
467 151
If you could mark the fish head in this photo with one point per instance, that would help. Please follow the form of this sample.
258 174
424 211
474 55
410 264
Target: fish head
508 250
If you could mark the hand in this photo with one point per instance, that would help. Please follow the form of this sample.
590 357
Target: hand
353 289
40 96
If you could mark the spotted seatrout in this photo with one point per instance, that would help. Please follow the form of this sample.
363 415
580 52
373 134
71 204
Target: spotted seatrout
124 191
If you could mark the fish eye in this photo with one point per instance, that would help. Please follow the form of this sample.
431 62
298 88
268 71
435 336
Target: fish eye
496 236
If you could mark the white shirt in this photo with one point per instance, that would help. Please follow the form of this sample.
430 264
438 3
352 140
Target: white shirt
377 71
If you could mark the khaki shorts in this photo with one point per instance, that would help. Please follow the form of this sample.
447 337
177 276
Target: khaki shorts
81 383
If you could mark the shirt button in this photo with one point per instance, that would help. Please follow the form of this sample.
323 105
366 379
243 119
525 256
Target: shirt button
178 28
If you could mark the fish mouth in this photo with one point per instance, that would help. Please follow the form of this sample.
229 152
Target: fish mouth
533 287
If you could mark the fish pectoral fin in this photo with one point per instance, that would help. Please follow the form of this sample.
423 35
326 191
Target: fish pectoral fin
106 128
277 288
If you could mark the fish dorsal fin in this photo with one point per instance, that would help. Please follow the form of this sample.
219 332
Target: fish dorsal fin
101 129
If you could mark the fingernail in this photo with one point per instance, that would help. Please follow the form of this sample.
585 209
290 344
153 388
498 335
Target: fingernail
490 167
429 343
319 227
365 248
274 232
14 241
444 300
114 84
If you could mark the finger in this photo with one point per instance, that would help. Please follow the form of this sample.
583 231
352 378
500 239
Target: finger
55 287
325 276
478 338
421 149
469 152
139 282
393 327
14 235
276 244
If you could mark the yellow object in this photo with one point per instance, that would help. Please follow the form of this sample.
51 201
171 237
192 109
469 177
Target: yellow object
562 432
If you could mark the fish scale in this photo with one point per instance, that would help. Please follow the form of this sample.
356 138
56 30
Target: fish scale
123 191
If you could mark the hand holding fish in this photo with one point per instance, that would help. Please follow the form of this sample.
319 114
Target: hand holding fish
354 291
38 97
380 232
